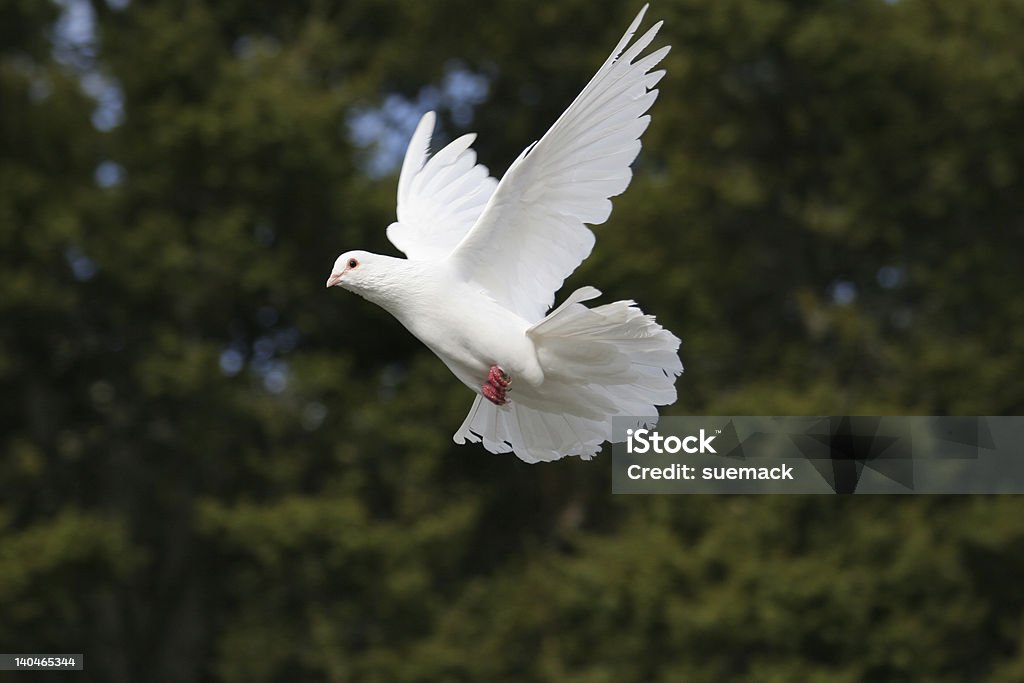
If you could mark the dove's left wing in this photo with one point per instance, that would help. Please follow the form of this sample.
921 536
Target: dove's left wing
440 197
531 235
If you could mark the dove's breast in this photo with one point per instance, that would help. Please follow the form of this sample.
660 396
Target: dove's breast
470 332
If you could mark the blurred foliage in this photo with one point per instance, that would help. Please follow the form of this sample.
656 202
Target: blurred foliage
212 469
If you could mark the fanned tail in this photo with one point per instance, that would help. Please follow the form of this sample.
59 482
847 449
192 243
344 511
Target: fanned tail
598 363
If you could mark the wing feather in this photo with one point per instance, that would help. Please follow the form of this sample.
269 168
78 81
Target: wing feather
532 233
440 197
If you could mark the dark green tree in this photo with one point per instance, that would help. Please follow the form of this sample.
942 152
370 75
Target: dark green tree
212 469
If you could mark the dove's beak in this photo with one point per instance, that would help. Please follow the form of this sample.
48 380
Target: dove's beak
334 279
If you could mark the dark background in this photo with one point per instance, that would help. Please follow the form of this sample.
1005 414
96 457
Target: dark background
212 469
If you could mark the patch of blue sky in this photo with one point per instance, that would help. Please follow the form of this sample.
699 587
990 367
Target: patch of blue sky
384 130
74 44
844 292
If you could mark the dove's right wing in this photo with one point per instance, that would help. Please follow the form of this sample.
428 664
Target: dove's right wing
440 197
533 233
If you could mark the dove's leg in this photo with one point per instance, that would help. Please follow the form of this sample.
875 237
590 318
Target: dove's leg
497 385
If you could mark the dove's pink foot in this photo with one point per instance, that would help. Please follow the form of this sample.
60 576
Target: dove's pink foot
499 378
495 396
497 385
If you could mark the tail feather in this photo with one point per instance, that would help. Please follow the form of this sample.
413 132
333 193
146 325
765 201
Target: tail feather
611 360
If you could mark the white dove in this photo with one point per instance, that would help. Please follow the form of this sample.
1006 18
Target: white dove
485 259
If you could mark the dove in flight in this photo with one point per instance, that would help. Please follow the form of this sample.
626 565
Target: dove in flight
485 258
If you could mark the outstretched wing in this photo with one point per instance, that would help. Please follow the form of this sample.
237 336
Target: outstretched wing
531 235
439 197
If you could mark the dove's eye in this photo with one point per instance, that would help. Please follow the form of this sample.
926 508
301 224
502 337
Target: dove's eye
352 263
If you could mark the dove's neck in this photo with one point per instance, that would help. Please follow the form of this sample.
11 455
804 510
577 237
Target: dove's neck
401 287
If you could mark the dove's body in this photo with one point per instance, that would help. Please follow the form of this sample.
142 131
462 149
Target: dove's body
486 258
456 320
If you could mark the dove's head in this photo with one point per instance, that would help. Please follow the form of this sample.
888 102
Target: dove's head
371 276
352 269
